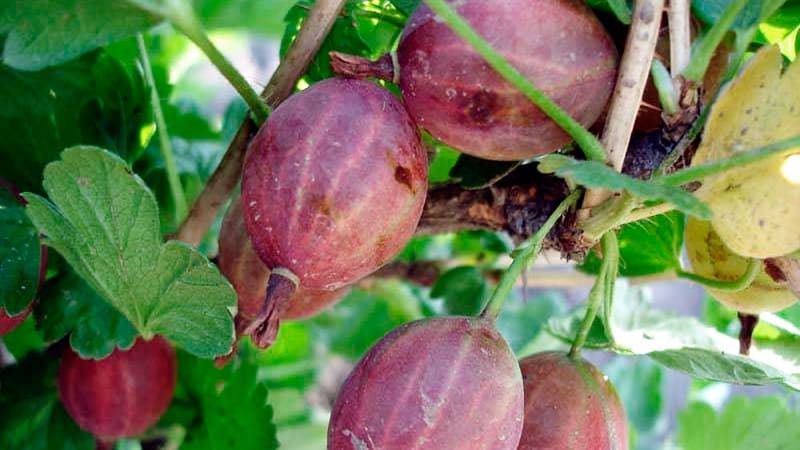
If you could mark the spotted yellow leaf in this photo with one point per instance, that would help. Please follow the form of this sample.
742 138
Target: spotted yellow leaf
756 207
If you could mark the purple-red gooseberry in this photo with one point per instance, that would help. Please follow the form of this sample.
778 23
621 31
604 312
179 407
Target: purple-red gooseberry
559 45
569 404
121 395
333 187
442 383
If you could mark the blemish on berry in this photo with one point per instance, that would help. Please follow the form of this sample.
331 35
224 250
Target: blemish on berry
403 176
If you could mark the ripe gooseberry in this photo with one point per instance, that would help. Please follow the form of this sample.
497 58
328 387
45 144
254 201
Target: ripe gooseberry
559 45
247 273
570 404
333 187
441 383
121 395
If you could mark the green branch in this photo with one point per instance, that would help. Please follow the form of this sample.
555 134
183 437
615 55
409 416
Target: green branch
662 80
743 282
697 173
591 147
704 51
611 257
602 289
180 14
522 256
175 187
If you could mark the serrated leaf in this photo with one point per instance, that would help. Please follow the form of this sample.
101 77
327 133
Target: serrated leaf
20 256
476 173
67 305
31 417
89 101
593 174
232 405
463 289
43 33
647 247
685 344
104 221
764 423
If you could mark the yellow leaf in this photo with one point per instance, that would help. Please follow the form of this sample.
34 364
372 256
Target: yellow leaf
756 207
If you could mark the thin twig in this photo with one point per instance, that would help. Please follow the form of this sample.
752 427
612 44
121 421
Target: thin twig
634 70
224 180
680 40
175 186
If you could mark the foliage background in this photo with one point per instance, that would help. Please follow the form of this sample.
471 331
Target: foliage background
284 394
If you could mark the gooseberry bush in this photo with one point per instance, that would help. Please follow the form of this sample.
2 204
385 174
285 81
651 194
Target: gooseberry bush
473 224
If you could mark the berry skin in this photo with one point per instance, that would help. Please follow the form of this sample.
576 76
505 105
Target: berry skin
121 395
247 273
569 404
459 99
442 383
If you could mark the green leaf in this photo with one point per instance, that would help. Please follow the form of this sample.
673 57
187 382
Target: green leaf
709 11
256 16
92 101
640 384
647 247
232 406
621 8
463 289
67 305
481 244
406 6
363 317
343 37
522 320
20 256
441 164
23 340
566 328
292 361
764 423
685 344
378 35
104 222
475 173
31 417
44 33
593 174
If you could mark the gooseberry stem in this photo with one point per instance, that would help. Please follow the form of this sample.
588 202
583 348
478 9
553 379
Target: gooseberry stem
743 282
601 292
181 15
522 256
697 173
590 145
704 51
165 144
666 89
